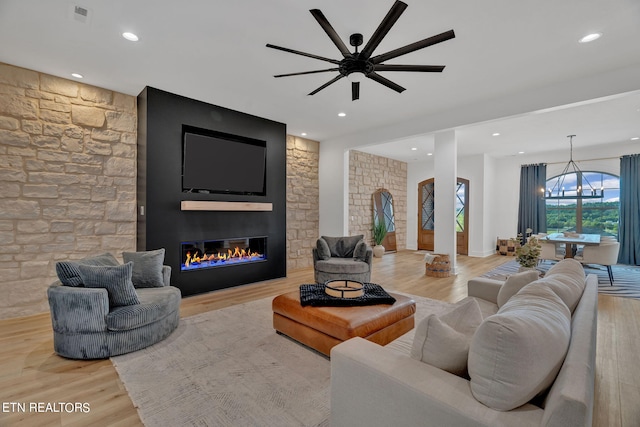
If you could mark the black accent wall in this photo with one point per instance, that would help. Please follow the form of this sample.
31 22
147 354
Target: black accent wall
161 223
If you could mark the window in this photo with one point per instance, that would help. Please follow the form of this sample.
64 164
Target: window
593 216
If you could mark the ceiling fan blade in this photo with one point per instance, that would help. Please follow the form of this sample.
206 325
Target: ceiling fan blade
423 68
355 90
297 52
335 79
388 83
333 35
384 27
413 47
306 72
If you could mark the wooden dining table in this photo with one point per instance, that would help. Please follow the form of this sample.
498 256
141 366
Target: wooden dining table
572 240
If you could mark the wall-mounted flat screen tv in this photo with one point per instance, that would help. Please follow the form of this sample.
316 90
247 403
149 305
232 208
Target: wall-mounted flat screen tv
215 162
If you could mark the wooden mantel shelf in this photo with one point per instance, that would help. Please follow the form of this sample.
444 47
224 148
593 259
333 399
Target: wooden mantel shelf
199 205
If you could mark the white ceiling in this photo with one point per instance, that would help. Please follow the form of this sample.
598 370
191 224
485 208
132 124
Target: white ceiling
215 51
612 122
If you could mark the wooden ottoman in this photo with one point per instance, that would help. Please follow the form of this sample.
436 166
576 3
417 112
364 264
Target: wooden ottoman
322 328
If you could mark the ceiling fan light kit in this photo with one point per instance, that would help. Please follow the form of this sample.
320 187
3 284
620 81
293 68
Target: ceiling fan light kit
356 65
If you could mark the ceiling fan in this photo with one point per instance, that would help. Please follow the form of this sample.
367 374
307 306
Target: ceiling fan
362 62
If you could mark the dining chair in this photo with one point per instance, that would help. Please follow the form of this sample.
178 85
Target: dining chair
606 253
551 251
603 239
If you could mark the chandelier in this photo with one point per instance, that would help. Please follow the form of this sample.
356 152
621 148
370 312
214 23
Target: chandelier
584 188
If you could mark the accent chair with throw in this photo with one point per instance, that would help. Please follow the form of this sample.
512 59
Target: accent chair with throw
348 258
101 308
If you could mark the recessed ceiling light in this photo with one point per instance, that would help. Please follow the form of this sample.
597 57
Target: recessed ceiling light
635 138
342 114
130 36
429 154
414 149
303 134
590 37
495 134
520 152
77 76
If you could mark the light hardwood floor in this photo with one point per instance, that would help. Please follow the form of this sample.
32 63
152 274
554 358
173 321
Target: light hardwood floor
30 372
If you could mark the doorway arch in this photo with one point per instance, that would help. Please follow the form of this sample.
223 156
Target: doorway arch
383 211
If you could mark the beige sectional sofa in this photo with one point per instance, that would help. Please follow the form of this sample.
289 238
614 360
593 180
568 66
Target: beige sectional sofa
524 328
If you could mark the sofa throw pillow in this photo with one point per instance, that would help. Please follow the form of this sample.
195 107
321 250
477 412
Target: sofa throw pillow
443 341
568 266
116 280
68 272
322 248
517 353
567 280
342 247
568 289
514 283
147 268
360 252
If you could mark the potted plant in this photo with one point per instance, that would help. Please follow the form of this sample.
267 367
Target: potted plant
379 233
528 253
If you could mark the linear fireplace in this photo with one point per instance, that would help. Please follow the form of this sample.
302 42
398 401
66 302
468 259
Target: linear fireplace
221 253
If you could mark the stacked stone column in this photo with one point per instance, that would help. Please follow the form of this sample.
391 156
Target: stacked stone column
302 201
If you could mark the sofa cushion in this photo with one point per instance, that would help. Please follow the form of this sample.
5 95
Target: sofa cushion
116 280
568 266
487 308
567 289
342 265
155 304
323 249
443 341
517 353
514 283
147 268
342 247
69 274
567 280
360 252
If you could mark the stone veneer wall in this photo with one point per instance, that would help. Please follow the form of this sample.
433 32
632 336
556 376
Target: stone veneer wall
368 173
302 201
67 180
68 183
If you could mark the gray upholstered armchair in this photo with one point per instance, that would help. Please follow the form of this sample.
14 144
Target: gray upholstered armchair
87 325
347 258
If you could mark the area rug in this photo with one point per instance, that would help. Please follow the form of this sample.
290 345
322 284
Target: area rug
228 367
626 277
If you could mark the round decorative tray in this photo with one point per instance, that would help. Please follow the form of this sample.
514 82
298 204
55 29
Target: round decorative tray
344 288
